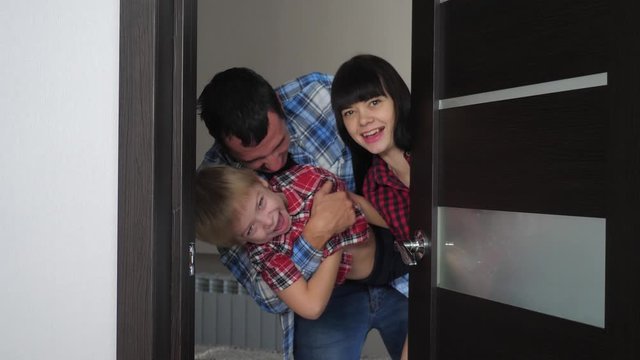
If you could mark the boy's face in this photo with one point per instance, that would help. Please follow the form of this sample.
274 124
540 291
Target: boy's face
262 215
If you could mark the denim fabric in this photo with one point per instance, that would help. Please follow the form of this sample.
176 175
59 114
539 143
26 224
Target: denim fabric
354 309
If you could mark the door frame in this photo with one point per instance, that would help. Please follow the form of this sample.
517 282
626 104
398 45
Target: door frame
157 111
423 111
157 164
622 323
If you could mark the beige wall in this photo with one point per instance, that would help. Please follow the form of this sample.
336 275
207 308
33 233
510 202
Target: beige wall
282 39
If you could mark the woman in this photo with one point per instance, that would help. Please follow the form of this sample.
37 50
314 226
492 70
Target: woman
372 103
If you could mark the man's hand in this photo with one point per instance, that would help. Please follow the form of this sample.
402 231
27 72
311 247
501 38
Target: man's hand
331 213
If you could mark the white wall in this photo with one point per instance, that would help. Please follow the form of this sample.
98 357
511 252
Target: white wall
283 39
58 178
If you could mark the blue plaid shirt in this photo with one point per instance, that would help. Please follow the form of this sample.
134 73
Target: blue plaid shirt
315 141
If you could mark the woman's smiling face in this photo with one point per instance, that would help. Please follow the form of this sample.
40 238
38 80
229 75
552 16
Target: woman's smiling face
371 123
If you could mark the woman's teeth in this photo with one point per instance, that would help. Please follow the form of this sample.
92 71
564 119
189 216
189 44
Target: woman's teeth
370 133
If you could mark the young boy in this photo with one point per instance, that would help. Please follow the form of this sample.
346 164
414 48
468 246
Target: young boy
235 206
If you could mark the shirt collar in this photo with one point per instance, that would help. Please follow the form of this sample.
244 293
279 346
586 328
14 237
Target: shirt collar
294 201
383 175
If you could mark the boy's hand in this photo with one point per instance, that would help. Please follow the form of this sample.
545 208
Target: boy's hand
331 213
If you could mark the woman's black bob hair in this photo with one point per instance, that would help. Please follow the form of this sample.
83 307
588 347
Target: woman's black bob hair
359 79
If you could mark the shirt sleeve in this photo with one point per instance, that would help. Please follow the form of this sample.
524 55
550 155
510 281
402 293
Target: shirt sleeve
306 257
238 262
280 272
312 125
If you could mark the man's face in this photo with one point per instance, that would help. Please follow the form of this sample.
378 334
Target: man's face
270 155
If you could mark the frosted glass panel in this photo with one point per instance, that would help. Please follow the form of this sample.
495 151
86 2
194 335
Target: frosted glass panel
551 264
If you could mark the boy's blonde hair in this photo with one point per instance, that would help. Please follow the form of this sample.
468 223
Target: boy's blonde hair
219 191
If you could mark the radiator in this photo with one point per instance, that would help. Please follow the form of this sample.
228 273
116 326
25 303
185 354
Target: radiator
226 315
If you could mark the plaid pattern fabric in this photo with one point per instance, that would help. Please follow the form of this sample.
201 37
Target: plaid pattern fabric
389 196
314 141
299 185
312 127
401 284
314 136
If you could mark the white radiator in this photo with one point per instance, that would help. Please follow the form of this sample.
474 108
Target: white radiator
226 315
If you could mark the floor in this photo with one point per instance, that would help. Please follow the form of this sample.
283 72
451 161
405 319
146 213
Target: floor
230 353
373 349
210 263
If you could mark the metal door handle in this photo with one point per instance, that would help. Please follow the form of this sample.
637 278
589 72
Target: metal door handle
412 250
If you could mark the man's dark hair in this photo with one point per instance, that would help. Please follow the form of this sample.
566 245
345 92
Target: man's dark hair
359 79
235 103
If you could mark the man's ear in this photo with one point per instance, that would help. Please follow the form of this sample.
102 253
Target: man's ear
275 111
280 103
239 240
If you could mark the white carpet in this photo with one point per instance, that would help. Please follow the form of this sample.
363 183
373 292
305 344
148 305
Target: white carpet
231 353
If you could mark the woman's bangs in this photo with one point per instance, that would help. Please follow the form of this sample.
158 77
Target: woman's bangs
362 88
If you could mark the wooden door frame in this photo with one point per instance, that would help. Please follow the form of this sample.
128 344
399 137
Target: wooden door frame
157 161
157 113
622 324
622 317
423 109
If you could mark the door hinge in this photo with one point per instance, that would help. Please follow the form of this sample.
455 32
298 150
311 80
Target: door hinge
192 259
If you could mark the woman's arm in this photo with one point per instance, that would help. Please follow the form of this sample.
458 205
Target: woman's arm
309 298
372 215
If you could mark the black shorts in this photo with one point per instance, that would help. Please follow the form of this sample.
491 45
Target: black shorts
388 264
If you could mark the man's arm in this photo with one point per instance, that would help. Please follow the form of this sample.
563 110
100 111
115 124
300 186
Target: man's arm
332 213
306 255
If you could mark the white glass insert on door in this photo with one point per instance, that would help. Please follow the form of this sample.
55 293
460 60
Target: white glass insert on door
551 264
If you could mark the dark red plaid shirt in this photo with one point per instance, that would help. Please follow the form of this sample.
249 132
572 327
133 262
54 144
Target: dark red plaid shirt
389 196
299 185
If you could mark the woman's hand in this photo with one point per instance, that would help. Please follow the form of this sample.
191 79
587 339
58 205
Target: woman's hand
332 213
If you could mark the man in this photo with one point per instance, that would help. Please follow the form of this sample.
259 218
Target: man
267 130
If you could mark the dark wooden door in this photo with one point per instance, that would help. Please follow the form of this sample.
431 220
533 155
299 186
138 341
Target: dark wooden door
155 174
528 110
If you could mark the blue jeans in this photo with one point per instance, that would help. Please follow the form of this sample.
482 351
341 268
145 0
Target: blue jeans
353 310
